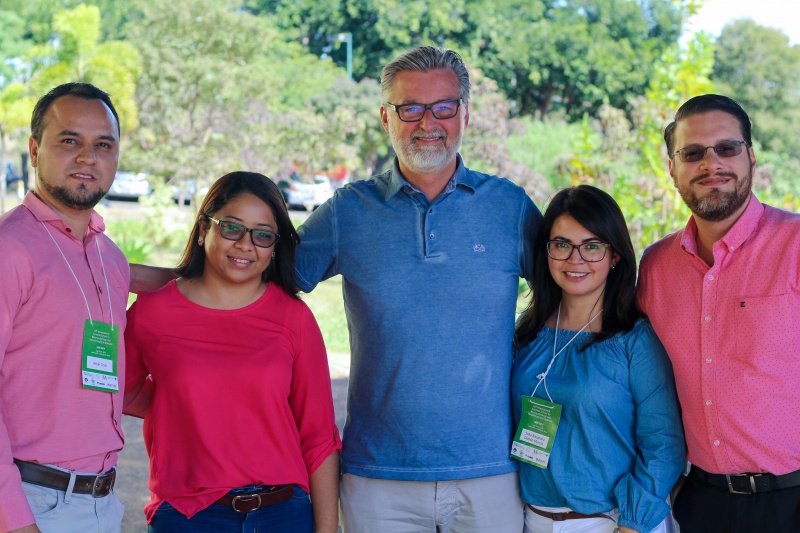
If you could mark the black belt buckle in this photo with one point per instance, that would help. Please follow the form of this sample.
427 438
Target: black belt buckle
246 498
748 485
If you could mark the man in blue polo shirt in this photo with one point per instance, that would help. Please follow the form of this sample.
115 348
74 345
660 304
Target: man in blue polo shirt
431 254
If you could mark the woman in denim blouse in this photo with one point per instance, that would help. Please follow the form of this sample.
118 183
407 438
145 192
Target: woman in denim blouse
582 345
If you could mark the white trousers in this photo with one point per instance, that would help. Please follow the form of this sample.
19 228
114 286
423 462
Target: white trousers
480 505
535 523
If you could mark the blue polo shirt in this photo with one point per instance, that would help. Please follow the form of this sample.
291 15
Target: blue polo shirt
430 290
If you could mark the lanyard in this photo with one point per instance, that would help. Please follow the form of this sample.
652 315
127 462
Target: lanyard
102 265
543 376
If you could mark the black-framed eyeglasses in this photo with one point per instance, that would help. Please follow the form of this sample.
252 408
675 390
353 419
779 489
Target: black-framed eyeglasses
695 152
234 231
414 112
591 252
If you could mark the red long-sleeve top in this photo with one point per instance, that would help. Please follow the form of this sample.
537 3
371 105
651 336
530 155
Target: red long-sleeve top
240 396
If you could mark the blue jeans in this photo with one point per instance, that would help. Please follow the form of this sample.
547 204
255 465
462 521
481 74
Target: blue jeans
292 516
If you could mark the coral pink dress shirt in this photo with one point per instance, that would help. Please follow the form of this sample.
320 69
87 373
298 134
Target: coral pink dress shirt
46 416
241 397
732 332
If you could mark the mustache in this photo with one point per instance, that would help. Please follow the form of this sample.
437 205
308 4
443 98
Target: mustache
721 174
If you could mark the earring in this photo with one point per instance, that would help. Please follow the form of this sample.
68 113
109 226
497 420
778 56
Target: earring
273 255
200 242
612 267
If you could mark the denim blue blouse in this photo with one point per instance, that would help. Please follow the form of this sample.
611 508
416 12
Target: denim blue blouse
620 440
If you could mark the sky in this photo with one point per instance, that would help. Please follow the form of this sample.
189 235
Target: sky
781 14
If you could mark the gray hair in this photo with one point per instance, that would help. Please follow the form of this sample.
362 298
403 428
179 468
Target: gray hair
424 59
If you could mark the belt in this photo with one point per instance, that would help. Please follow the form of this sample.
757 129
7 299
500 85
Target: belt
572 515
98 485
747 483
245 503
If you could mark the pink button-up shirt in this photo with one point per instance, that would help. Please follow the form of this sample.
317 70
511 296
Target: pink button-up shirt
46 416
732 332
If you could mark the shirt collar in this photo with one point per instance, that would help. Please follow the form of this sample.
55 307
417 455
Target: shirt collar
44 213
741 230
460 177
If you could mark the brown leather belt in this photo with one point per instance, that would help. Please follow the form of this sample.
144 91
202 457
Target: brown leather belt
98 486
246 503
560 517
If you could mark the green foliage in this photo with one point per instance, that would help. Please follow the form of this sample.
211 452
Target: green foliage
128 235
485 145
352 124
544 146
167 225
757 66
216 100
79 55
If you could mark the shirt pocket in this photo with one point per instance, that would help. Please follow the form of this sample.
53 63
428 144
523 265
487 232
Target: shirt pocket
768 329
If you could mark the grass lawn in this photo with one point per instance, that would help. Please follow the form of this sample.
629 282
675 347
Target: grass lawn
326 303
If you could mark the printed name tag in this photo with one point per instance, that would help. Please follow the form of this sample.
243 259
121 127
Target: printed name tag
99 369
536 431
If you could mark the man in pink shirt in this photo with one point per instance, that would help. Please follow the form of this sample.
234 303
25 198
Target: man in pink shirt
723 294
63 293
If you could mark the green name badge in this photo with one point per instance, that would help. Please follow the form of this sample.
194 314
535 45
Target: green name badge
536 431
100 349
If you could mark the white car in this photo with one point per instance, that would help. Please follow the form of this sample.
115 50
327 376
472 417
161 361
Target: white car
308 196
130 186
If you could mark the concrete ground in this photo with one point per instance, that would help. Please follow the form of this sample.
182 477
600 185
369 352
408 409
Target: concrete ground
133 466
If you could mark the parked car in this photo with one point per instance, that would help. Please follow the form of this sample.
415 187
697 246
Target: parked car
12 176
308 196
129 186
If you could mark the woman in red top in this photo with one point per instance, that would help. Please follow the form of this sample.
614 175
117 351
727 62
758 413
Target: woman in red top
239 421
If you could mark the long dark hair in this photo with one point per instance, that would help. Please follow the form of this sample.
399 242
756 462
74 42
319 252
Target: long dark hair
281 269
596 211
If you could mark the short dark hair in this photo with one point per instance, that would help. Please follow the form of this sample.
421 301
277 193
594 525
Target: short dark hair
703 104
281 269
425 59
87 91
596 211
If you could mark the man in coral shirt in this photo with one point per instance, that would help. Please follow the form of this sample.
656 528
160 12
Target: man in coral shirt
63 295
723 294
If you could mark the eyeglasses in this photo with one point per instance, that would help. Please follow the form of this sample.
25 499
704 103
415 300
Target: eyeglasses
591 252
414 112
233 232
695 152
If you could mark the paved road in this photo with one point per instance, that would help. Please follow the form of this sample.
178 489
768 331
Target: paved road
133 463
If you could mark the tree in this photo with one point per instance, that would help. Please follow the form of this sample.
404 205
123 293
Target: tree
77 54
756 66
572 55
222 89
16 107
381 28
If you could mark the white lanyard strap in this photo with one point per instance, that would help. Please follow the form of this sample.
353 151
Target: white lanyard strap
102 265
543 376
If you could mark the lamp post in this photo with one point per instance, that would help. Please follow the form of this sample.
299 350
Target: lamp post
348 39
